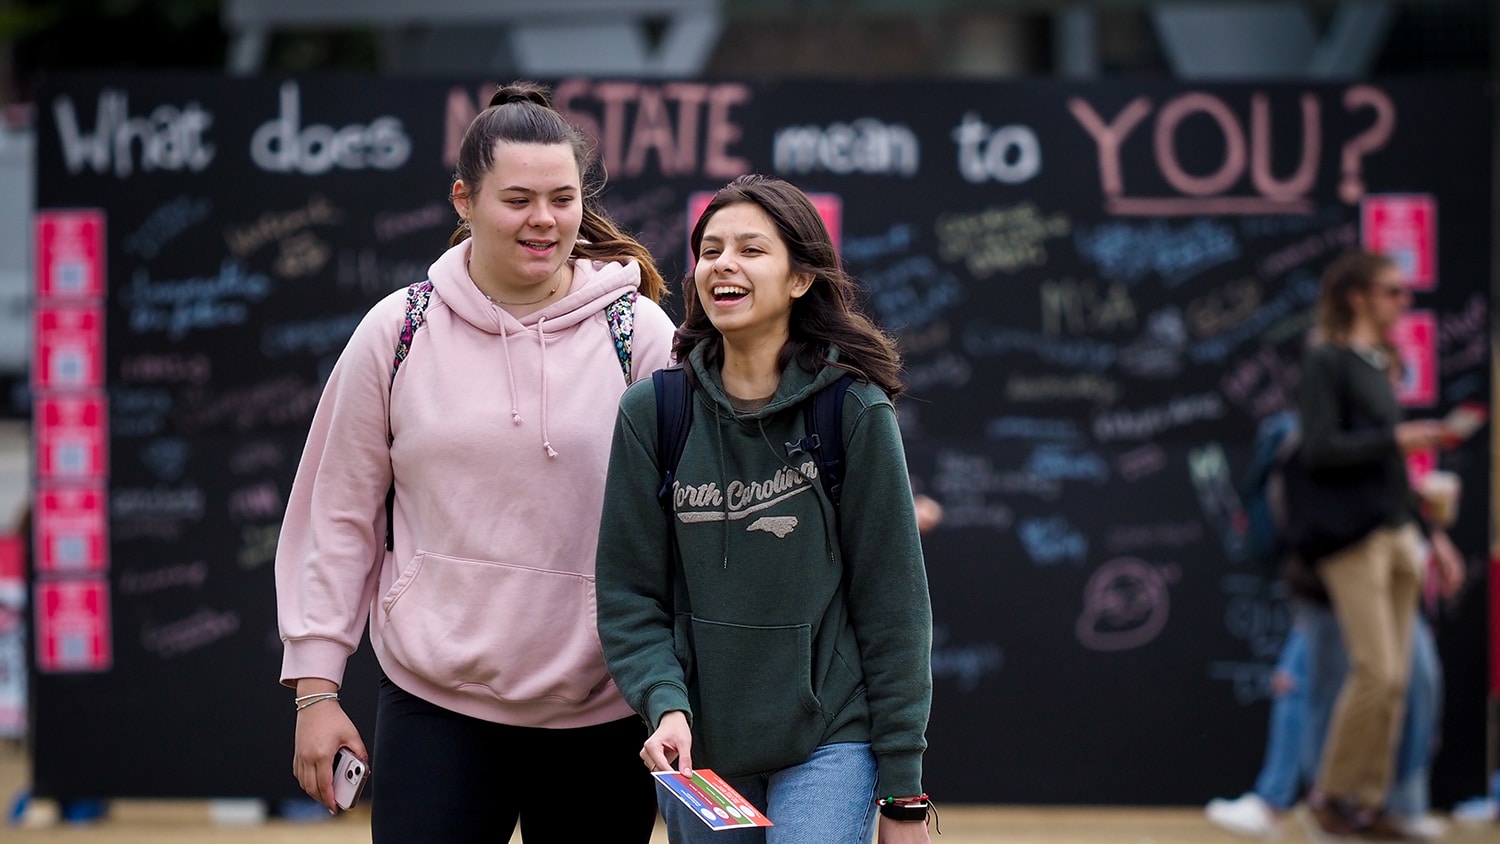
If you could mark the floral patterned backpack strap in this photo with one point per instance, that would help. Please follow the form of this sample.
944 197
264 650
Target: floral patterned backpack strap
620 314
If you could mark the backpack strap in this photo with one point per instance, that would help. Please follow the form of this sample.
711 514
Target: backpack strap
418 297
823 419
620 314
674 416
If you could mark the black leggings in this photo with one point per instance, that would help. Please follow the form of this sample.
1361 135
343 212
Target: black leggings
438 777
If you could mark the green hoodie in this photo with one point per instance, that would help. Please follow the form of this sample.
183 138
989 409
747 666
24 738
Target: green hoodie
782 631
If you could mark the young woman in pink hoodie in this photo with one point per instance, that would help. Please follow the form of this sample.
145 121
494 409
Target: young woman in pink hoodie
478 583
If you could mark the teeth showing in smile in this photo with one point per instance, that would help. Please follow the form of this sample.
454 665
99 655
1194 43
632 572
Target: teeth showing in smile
723 291
536 244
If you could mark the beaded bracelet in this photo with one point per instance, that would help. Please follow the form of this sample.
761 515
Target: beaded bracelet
304 701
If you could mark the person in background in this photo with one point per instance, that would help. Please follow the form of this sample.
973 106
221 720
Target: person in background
494 440
787 646
1373 585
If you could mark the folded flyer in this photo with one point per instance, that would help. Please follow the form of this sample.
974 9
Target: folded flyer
712 799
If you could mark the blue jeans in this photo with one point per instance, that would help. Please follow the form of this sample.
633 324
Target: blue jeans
829 799
1314 657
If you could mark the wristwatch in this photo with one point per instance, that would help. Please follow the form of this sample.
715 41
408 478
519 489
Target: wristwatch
904 811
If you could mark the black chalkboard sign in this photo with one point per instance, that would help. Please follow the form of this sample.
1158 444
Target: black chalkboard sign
1100 290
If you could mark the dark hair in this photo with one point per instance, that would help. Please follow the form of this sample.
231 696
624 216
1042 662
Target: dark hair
826 315
1353 271
522 113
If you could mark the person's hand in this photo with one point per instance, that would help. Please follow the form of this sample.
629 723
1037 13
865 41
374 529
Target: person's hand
891 831
1422 434
321 730
929 512
672 742
1449 570
1282 682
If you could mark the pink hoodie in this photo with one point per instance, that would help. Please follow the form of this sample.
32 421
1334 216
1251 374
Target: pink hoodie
502 432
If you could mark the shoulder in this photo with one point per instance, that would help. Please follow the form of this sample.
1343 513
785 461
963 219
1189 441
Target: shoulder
639 400
650 316
863 395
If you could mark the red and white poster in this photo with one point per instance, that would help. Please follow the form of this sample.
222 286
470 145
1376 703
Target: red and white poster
71 437
830 207
1415 336
72 625
69 347
71 531
70 254
1403 227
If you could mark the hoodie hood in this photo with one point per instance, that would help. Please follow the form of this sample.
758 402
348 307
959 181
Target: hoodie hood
595 284
797 384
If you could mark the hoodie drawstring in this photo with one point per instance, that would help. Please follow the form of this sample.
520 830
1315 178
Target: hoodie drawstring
515 399
541 333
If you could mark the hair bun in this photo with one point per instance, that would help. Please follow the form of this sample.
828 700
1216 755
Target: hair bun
521 92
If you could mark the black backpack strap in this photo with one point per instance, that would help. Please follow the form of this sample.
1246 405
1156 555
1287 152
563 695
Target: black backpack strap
674 415
824 416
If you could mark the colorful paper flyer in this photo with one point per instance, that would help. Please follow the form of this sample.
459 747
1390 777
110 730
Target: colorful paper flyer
712 799
1415 336
1404 228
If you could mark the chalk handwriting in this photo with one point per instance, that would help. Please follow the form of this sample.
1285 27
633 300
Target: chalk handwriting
1130 252
1158 352
1157 535
948 369
962 482
893 241
1031 428
1251 681
981 339
1125 606
255 457
1311 248
1141 462
965 665
1299 292
1052 540
1148 422
1059 388
1256 613
1056 462
186 635
283 145
165 224
315 336
162 502
272 226
1010 154
391 225
139 582
167 368
262 500
368 272
1000 238
166 458
178 307
137 412
1263 384
1222 308
258 545
865 145
1080 307
172 139
276 402
912 292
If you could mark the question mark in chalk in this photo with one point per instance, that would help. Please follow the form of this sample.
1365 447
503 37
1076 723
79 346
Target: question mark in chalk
1352 187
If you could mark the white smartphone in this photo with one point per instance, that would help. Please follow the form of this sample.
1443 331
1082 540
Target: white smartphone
349 775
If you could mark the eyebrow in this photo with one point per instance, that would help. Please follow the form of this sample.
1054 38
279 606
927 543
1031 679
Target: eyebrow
740 237
520 189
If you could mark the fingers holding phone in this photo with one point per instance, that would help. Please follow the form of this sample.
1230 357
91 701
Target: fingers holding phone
349 775
322 731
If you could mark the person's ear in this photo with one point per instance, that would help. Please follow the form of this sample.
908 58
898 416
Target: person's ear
802 284
460 197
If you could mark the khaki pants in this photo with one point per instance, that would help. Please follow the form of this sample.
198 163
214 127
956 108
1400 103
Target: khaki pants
1374 587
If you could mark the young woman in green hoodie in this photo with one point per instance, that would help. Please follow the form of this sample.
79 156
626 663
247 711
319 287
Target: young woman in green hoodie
758 630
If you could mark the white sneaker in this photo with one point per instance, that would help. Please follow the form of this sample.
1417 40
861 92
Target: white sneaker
1421 827
1247 815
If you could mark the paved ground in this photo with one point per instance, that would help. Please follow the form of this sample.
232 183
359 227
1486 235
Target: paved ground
180 822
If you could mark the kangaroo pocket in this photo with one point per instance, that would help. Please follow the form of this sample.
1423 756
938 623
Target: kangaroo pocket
756 706
512 632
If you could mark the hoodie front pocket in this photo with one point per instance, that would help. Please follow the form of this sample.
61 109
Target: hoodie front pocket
512 632
756 706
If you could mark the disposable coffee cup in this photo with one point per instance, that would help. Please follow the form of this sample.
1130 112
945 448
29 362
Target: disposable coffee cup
1440 490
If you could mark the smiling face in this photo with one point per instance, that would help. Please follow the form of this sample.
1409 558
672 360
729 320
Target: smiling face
524 217
744 277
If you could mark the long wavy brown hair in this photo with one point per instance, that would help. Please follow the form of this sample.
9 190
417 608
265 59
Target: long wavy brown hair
827 315
1353 271
522 113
